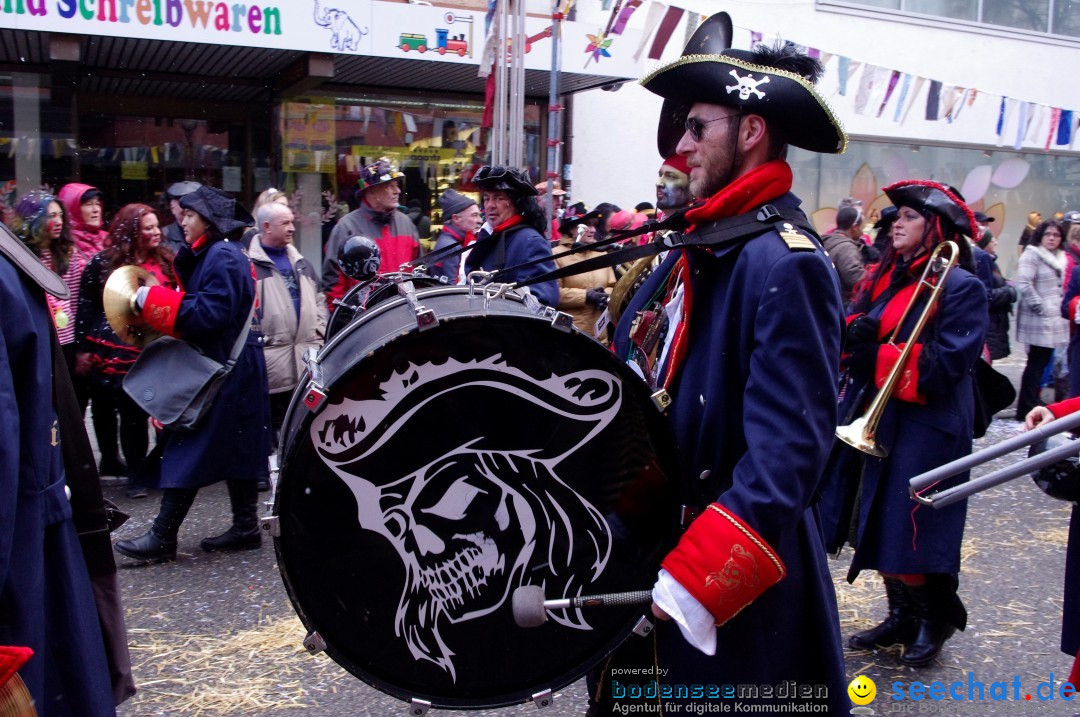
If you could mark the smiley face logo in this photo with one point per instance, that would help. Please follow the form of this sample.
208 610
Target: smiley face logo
862 690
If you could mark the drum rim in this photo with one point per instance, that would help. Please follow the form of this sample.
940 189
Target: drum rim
438 700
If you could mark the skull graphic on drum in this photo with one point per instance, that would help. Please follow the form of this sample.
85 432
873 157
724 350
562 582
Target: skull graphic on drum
469 495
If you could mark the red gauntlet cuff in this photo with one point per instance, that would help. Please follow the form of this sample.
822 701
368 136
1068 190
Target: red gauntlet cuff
161 308
11 659
723 563
907 386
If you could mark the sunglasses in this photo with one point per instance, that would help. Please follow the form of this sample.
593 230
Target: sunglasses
696 127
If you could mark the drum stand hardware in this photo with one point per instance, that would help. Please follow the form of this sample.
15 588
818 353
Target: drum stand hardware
418 707
543 699
314 643
661 399
425 318
562 321
271 526
644 627
315 396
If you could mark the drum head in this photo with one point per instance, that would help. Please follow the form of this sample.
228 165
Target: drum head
449 467
365 296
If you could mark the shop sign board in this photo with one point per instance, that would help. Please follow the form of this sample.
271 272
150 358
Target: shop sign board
361 27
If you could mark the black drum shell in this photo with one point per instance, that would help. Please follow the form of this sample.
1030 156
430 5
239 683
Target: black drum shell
1060 480
343 580
348 309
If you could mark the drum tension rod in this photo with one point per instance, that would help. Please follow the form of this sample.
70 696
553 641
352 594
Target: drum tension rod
543 699
418 707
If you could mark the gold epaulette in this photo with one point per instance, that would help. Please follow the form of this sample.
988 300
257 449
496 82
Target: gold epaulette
796 240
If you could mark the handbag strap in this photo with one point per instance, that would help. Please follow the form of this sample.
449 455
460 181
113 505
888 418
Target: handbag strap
239 345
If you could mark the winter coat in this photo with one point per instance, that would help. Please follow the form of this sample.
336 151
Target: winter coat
88 240
449 267
46 599
110 357
927 423
753 413
1002 296
286 336
394 233
1039 278
521 244
846 256
233 441
1069 305
572 289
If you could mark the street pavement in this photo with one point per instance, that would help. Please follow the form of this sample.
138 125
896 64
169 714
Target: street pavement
215 634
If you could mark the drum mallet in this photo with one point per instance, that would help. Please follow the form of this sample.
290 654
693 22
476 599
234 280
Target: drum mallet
530 607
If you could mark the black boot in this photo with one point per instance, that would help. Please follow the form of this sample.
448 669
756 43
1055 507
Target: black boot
244 533
898 627
159 543
939 613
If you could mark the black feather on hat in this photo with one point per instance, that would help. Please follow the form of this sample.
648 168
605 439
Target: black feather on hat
708 71
218 208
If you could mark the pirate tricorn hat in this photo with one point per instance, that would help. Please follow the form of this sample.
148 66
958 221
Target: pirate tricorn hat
419 416
709 71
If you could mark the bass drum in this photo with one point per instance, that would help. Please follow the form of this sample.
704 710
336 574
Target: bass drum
429 472
367 295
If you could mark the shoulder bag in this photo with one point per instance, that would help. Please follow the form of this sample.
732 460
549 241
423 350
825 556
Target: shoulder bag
176 383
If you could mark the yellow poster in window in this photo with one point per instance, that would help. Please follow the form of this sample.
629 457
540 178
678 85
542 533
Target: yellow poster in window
308 137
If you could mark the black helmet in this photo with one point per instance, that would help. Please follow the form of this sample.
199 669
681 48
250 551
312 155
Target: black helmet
359 258
1060 480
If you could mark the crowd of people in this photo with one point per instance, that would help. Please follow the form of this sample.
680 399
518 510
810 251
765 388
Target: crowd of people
749 324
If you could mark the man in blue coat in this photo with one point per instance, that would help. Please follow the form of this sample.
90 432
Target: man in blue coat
46 598
738 332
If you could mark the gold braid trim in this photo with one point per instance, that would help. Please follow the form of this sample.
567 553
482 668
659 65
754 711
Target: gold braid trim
761 546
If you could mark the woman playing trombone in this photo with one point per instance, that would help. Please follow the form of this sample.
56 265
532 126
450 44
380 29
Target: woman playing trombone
924 421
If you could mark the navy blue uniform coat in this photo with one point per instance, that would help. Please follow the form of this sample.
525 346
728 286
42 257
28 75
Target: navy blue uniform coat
523 244
753 412
233 441
46 600
896 534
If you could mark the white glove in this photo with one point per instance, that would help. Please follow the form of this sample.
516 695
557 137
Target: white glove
140 296
1076 319
696 623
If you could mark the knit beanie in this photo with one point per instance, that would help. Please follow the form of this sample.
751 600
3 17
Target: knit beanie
452 202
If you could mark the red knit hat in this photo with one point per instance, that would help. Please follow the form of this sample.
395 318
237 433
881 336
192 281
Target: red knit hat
677 161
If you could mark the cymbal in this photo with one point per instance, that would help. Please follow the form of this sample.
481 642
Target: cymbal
119 300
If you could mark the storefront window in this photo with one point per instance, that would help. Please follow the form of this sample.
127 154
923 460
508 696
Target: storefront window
436 143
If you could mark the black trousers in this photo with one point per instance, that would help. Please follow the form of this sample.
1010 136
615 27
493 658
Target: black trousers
1031 380
109 404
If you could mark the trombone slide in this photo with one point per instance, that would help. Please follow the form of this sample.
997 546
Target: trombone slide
921 482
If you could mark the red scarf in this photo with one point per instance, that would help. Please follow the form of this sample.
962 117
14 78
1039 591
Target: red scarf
747 192
512 221
751 190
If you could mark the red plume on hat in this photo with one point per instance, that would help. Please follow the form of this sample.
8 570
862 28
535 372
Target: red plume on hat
678 162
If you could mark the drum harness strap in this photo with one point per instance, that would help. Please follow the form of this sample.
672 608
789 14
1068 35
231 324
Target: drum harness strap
724 232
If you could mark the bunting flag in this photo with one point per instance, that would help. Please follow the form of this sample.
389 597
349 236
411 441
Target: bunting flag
1055 120
905 85
1064 135
1034 123
843 66
866 87
663 33
652 19
1021 124
1001 120
624 17
933 101
894 77
755 38
914 94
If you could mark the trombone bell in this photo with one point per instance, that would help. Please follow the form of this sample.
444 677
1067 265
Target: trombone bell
857 435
